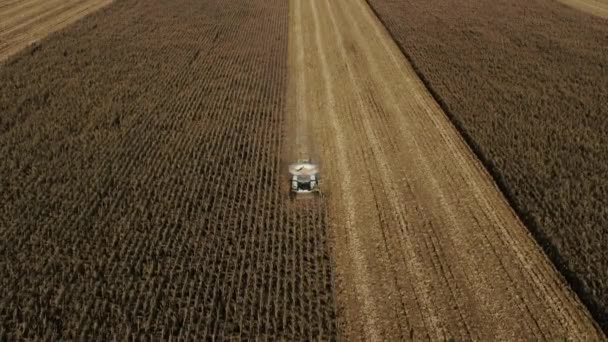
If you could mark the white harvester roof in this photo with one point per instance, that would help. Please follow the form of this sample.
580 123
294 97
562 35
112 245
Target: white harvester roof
303 169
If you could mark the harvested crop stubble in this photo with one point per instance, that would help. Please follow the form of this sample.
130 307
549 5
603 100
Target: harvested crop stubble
139 181
595 7
24 22
527 84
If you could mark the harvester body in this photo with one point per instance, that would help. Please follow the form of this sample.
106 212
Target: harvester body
304 177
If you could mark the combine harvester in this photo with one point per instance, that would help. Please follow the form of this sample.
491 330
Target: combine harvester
304 178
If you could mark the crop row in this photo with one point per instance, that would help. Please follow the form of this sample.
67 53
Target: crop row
141 188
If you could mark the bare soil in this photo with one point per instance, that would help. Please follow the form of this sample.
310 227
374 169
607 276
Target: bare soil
140 193
526 82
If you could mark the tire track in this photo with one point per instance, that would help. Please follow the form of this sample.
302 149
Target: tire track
435 228
387 175
361 284
451 137
8 10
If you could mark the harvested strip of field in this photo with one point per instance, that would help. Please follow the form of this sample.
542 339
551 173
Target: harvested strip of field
595 7
140 172
24 22
527 84
426 247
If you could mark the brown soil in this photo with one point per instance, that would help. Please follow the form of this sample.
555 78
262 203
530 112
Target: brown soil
139 184
24 22
424 243
526 82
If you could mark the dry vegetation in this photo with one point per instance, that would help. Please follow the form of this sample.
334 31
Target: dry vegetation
139 181
527 84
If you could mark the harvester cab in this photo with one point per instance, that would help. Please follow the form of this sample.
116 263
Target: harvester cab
304 177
